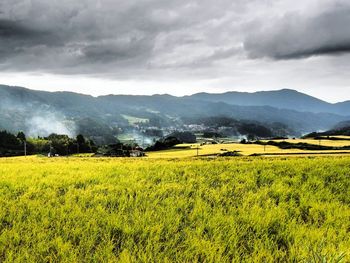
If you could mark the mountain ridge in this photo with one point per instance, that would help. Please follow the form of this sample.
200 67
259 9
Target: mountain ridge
282 90
19 106
283 99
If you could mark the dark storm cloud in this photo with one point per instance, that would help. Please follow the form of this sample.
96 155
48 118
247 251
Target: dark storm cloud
12 29
297 36
16 39
125 38
105 36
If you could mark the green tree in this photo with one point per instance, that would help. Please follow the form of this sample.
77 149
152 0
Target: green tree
80 140
21 136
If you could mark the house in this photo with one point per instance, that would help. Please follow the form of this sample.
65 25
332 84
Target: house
137 152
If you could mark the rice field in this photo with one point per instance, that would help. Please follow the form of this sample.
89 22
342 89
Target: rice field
193 150
244 209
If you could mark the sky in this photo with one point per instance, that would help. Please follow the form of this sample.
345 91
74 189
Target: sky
177 47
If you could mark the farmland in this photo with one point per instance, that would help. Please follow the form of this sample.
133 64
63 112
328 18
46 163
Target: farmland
243 209
191 150
133 120
340 142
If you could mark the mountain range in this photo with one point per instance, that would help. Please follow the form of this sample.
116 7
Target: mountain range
40 112
282 99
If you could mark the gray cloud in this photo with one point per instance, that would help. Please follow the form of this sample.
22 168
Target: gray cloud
12 30
107 37
157 39
296 35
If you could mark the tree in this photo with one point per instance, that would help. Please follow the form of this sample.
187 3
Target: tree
10 145
251 137
21 136
61 143
184 137
163 144
80 140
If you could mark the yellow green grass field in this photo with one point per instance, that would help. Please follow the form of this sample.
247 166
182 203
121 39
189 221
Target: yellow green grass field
332 143
245 209
190 150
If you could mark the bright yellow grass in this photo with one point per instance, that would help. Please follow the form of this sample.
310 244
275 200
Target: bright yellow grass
249 209
244 149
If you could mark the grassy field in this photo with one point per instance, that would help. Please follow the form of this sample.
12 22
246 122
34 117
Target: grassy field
332 143
241 209
190 150
133 120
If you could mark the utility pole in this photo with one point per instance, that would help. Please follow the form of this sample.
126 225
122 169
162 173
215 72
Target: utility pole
197 150
25 148
51 149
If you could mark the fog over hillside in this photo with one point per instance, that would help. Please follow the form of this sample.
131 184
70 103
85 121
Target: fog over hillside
42 113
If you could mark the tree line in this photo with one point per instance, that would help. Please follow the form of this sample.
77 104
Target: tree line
63 145
54 144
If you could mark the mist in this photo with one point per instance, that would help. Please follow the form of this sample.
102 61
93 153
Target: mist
34 119
46 124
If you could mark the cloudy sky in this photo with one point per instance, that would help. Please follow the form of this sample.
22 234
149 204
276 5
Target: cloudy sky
177 47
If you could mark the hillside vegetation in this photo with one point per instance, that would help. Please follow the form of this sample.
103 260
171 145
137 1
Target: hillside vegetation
102 118
199 210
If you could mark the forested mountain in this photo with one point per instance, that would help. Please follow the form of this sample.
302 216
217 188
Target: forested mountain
341 129
39 112
282 99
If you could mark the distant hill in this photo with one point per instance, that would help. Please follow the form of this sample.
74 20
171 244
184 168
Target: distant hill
39 112
282 99
342 108
341 129
341 125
